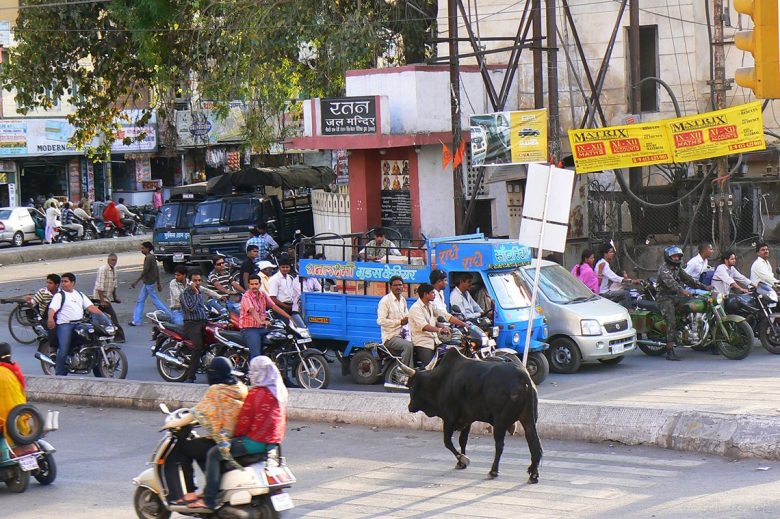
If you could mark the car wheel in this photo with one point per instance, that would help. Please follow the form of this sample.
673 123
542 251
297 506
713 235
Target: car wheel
564 356
18 239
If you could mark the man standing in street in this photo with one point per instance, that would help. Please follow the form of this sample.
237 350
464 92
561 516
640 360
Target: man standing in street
699 264
248 266
177 285
150 276
65 311
392 316
193 306
424 325
105 293
761 270
265 243
157 201
281 287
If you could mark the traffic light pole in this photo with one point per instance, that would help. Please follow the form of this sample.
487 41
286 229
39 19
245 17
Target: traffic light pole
718 87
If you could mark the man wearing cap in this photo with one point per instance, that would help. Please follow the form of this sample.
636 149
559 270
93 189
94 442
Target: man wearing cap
265 271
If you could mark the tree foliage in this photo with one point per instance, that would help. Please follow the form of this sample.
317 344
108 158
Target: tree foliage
105 56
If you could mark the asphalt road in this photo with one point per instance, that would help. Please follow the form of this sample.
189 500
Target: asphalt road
358 472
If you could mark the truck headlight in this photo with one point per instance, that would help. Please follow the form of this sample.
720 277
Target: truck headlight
590 327
545 332
494 332
516 338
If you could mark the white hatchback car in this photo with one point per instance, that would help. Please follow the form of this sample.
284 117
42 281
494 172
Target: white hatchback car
17 225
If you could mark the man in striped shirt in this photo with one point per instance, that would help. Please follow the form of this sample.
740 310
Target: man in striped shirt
105 293
193 306
41 299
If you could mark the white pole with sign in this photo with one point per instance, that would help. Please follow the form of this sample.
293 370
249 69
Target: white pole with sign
545 222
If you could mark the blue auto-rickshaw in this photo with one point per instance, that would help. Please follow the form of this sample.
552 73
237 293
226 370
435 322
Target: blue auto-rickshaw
343 315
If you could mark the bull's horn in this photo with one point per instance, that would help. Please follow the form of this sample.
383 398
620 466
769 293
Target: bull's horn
406 369
432 363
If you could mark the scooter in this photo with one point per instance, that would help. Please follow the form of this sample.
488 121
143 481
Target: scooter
256 492
30 454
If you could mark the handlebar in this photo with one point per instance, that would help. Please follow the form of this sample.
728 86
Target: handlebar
13 300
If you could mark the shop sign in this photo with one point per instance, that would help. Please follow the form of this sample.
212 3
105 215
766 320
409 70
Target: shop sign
348 115
13 137
131 130
197 128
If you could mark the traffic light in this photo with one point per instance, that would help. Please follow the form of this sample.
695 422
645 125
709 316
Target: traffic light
763 42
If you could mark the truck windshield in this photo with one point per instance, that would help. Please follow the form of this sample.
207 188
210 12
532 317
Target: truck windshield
168 216
510 290
558 285
208 213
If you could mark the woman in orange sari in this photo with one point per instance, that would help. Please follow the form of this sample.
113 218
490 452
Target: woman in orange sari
11 385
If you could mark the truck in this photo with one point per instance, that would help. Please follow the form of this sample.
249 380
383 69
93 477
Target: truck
171 234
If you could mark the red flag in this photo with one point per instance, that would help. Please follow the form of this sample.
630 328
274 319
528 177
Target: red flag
446 156
459 155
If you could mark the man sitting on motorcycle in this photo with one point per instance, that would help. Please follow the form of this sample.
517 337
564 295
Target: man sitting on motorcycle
65 311
672 280
424 325
11 385
393 319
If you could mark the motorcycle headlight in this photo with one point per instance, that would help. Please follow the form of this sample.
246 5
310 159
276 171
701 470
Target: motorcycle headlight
590 327
719 298
494 331
110 330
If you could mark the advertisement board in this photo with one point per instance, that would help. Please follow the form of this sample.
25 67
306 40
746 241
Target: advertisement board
518 137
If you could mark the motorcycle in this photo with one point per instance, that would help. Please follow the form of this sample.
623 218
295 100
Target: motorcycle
757 307
92 349
173 351
30 454
257 491
702 324
287 345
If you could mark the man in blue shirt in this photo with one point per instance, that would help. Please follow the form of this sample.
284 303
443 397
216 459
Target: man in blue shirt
193 306
265 243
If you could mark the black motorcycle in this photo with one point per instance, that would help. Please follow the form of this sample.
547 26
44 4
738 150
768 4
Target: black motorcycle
758 307
287 344
91 348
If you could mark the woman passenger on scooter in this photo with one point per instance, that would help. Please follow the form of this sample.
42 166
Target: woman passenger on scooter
111 214
11 385
217 412
261 426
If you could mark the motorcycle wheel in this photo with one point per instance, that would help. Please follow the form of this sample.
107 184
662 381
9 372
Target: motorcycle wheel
653 350
312 372
564 356
537 367
148 505
116 367
364 368
264 510
47 470
769 340
89 234
21 327
739 341
19 482
170 372
395 376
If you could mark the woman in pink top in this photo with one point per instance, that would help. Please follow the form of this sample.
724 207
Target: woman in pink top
584 271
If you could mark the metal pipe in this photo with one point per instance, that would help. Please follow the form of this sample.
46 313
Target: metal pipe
536 16
491 90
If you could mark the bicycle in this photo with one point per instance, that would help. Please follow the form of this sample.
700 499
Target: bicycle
22 320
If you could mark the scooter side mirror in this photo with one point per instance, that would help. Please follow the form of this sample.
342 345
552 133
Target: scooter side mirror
164 409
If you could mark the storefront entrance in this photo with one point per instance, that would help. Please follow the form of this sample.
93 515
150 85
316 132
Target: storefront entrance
40 179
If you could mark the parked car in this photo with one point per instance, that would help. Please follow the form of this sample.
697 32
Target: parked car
17 225
583 327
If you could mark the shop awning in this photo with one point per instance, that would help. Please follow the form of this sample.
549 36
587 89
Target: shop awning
286 177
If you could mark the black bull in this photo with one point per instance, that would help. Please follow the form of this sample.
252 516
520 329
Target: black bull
461 391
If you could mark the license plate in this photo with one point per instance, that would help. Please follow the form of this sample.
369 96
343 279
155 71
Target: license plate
179 256
617 348
28 463
303 341
282 501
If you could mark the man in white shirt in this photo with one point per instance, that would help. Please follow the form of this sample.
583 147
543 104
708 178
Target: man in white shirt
727 276
127 217
461 297
392 316
761 270
610 284
699 263
424 326
438 279
281 287
65 311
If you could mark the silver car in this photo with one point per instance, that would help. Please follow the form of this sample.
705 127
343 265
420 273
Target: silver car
583 327
17 225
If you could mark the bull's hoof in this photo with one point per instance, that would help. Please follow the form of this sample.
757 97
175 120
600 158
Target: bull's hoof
463 462
493 474
533 479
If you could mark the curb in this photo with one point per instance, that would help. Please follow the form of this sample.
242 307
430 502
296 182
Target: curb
34 253
744 436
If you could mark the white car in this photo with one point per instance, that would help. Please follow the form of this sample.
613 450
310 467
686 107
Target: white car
17 225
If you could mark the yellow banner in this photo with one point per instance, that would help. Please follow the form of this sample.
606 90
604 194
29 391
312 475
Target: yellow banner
529 136
738 129
713 134
615 147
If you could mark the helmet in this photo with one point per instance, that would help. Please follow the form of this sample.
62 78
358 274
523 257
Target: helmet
219 371
674 250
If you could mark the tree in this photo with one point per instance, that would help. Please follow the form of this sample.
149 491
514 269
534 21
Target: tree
106 55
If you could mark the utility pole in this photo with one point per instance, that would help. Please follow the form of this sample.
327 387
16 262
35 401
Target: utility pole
536 25
635 174
553 121
719 89
457 172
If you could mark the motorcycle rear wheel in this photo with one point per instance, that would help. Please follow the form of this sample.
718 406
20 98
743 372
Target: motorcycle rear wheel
312 372
739 341
19 482
116 367
148 505
770 341
170 372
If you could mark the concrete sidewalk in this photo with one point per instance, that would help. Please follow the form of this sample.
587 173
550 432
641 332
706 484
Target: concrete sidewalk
696 425
34 253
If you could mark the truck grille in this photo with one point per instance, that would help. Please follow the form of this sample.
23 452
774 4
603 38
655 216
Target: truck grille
617 326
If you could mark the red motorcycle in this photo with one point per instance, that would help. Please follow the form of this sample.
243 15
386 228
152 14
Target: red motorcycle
173 352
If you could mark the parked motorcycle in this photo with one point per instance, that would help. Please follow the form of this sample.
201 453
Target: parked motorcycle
257 491
757 307
92 350
287 345
29 454
702 324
